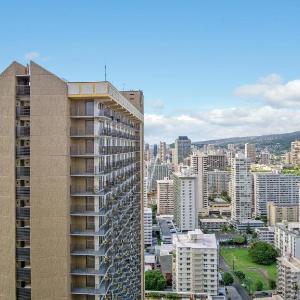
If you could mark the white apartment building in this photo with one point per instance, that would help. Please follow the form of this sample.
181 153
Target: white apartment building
287 239
217 182
274 187
250 152
241 189
165 197
195 267
288 281
145 196
186 200
147 226
266 234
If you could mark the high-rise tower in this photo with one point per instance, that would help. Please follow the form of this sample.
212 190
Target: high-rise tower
71 218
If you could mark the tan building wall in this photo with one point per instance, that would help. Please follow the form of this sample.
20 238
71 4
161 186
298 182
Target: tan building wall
50 181
7 181
282 212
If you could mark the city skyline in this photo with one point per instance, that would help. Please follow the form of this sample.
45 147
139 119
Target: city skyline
234 71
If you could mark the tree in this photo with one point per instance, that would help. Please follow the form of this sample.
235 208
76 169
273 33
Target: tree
240 275
262 253
259 286
155 280
227 278
272 284
239 240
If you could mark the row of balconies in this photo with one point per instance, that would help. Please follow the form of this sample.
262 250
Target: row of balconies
103 150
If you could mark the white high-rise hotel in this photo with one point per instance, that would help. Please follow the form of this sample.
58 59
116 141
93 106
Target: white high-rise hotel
195 266
241 189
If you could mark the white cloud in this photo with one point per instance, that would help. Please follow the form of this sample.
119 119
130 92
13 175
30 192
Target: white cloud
32 55
221 123
273 90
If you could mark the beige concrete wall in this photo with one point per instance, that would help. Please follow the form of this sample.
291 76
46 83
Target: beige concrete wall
7 181
50 186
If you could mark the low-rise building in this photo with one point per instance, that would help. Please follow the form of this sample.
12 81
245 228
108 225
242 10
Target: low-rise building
195 263
266 234
248 224
213 224
279 212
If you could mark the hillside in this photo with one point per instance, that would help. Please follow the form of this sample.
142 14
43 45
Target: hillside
275 142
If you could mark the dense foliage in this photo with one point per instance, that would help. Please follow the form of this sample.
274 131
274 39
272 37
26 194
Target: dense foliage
227 279
263 253
155 280
240 275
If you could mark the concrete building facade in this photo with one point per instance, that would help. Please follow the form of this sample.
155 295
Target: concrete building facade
165 197
182 149
70 188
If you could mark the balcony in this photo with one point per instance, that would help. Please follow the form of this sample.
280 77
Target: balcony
78 230
23 213
103 251
23 234
81 132
23 293
22 90
89 291
23 111
23 274
23 191
23 151
23 131
79 271
87 210
79 151
23 254
23 171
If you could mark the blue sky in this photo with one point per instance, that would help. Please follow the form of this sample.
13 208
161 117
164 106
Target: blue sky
191 58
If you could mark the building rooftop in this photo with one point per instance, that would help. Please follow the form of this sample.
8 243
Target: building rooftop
196 239
213 220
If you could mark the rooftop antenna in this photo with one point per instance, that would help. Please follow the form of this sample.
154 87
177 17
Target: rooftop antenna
105 72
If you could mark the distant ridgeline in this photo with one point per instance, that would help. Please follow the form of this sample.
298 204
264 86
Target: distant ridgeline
275 142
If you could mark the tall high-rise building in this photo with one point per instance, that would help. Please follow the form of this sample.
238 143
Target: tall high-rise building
71 219
147 226
195 267
182 149
165 197
240 187
186 200
250 152
265 158
155 150
162 151
276 187
295 153
217 182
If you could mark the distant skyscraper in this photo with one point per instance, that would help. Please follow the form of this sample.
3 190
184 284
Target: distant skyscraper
241 189
165 197
182 149
250 152
71 214
196 263
163 151
155 150
157 171
265 158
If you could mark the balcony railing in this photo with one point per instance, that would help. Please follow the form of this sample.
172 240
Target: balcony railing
23 213
23 131
23 293
23 191
23 254
23 234
23 111
22 90
81 132
23 274
23 151
23 171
